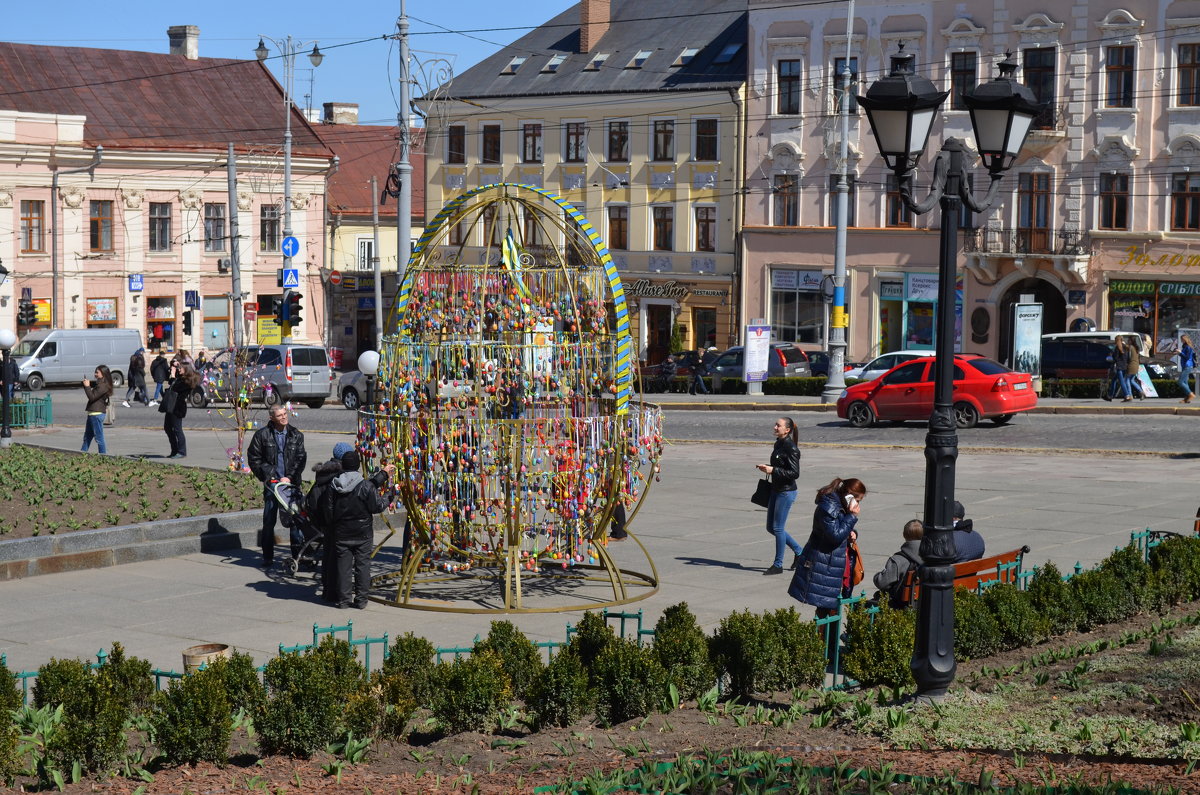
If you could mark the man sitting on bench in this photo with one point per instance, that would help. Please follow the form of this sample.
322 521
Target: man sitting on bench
892 579
967 543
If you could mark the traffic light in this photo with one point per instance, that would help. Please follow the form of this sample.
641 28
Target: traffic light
279 310
187 323
291 300
27 313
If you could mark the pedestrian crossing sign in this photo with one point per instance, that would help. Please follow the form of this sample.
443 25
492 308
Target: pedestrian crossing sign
291 278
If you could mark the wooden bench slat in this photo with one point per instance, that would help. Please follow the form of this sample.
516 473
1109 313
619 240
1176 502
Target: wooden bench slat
971 574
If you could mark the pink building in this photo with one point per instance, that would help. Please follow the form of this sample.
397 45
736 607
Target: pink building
1098 218
145 235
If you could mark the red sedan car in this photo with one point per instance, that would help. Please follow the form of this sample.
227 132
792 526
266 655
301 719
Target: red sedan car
982 389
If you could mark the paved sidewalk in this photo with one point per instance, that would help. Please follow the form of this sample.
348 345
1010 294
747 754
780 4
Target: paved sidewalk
708 543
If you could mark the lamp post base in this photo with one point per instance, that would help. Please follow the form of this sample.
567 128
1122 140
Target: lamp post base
5 442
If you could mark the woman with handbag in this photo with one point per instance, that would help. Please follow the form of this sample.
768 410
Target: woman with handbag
98 394
821 572
782 472
174 407
1187 366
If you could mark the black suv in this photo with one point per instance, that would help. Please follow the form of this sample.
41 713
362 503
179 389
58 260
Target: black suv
1090 359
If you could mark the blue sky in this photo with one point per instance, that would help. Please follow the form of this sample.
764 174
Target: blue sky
352 72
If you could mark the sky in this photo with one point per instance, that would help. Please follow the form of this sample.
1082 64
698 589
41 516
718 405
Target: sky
360 65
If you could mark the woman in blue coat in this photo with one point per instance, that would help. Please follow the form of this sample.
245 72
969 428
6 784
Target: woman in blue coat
822 566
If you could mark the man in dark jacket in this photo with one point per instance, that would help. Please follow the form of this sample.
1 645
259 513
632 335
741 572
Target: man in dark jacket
890 581
324 473
276 453
967 543
159 370
137 379
347 506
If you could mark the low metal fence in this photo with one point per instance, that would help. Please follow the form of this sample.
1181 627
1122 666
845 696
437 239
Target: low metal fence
26 411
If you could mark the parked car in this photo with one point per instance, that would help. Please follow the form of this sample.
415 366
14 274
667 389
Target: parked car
982 389
352 389
881 364
276 373
818 363
784 360
65 356
1081 356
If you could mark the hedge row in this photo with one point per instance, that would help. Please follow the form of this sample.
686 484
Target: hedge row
879 644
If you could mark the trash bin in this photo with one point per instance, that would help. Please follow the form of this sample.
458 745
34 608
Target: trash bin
196 656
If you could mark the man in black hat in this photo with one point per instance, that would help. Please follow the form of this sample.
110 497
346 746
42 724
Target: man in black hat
967 543
346 508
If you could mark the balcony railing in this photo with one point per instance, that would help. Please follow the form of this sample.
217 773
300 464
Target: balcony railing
1052 118
1059 242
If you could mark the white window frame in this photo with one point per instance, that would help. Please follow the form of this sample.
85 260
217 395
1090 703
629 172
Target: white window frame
364 246
650 152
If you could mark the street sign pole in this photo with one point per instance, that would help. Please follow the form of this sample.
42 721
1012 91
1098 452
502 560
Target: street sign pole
291 276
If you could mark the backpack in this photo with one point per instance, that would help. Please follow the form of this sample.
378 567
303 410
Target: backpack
896 592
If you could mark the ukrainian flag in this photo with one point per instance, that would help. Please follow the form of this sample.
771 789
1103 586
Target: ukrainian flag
510 256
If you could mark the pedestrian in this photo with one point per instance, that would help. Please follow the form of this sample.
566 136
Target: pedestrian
699 371
12 374
137 379
1134 366
99 392
201 359
347 506
276 454
890 580
1120 370
1187 366
616 527
968 544
160 369
782 471
325 472
821 570
174 408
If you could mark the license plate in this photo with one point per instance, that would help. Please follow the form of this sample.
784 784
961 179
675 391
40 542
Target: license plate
1021 385
302 377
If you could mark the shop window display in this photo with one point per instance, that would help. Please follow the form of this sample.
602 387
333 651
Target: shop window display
160 323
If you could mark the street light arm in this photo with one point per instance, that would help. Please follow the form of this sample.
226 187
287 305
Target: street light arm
941 166
977 205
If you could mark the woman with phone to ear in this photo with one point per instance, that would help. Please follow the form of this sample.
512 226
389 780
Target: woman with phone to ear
822 565
782 471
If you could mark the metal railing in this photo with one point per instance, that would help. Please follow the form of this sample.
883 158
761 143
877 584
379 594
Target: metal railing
1017 241
1052 118
26 411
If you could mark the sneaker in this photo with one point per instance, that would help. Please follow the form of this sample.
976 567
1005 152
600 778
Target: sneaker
152 403
774 570
125 403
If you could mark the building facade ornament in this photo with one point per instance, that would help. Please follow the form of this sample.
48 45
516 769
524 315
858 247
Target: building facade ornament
72 196
245 200
132 198
191 199
6 197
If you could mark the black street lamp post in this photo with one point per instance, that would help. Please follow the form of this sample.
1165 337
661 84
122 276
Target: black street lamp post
7 340
901 108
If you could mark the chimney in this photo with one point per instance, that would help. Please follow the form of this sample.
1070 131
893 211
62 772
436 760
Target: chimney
185 41
340 113
594 16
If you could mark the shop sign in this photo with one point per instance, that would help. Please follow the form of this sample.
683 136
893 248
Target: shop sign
1143 260
1131 307
644 288
1131 287
349 282
711 293
795 280
891 291
1179 288
922 286
135 283
101 310
366 284
366 303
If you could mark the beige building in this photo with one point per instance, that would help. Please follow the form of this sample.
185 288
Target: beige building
634 114
1097 221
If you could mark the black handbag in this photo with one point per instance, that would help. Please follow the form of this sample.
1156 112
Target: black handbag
170 398
762 493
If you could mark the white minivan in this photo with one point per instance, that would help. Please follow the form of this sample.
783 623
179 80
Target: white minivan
68 355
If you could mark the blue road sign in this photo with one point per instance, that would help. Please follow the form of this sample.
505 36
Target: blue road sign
291 277
290 247
135 283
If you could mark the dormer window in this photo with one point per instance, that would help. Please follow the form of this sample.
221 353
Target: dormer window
686 56
639 60
552 65
726 55
596 62
513 65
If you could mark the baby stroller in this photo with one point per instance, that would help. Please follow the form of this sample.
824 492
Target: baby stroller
306 538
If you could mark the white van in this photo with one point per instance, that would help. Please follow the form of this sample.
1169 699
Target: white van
68 355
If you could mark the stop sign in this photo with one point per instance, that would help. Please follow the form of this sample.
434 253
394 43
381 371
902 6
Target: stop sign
335 278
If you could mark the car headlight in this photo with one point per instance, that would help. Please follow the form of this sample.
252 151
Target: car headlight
843 395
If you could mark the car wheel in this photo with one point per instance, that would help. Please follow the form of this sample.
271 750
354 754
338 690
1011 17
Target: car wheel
1003 419
350 398
198 399
315 404
35 382
860 415
118 378
271 397
965 415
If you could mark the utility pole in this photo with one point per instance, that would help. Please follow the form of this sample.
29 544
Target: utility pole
836 380
375 265
235 257
404 167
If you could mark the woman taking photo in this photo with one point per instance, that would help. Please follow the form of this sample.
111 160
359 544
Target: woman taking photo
98 393
782 471
174 407
820 572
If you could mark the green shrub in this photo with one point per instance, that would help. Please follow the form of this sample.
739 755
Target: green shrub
11 699
346 674
129 678
682 650
301 713
92 731
412 657
1129 566
879 648
469 693
1053 598
363 713
797 651
738 653
591 637
629 682
976 633
395 695
60 682
1103 598
1019 623
522 661
239 678
191 719
1092 388
561 695
1176 561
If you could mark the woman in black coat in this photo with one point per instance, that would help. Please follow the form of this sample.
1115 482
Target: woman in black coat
175 405
783 471
821 571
